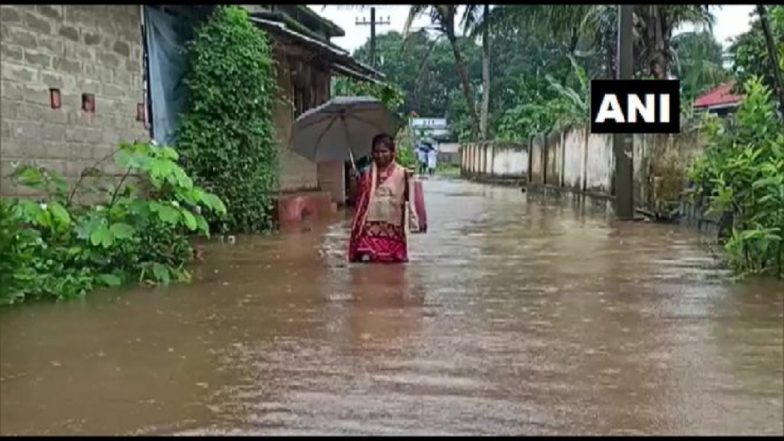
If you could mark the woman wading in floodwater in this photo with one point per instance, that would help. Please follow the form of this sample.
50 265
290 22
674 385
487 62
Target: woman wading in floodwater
383 218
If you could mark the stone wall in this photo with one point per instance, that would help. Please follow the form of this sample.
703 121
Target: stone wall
97 50
78 50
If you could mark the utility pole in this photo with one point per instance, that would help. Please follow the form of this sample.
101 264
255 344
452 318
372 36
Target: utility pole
623 147
373 22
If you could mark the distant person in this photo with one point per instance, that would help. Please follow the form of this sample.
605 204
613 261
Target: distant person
422 159
432 161
379 232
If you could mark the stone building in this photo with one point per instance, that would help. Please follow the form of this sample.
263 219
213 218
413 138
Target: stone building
76 80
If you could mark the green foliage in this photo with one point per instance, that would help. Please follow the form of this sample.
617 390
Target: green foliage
226 136
393 98
528 43
572 103
698 63
388 93
424 68
547 105
750 53
742 172
405 150
16 244
136 229
459 118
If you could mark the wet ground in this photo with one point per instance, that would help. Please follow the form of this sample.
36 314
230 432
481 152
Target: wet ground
514 316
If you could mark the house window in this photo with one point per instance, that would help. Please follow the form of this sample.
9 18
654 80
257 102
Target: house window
302 100
147 100
299 101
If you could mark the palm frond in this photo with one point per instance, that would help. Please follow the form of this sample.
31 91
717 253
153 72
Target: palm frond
414 12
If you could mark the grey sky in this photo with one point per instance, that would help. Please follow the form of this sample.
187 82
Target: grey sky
731 20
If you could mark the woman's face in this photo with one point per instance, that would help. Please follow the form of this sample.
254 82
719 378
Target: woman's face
382 155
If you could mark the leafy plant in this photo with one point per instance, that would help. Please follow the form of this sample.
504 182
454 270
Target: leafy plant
750 54
698 63
405 150
226 136
135 230
742 173
546 106
572 103
16 255
388 93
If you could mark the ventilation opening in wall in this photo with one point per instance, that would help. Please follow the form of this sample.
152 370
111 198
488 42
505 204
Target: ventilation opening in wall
88 102
54 98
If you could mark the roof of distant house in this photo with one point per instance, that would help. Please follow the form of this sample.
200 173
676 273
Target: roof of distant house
720 96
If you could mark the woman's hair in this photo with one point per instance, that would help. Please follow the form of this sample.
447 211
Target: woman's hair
385 140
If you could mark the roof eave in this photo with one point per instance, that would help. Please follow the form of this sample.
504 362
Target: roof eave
718 106
340 58
333 29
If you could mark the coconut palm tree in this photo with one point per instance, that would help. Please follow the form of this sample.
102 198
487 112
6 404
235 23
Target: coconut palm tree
698 62
656 24
443 19
577 26
475 22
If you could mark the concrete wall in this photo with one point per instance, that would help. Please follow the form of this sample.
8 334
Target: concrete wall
580 161
574 145
78 50
449 153
495 160
509 162
537 167
600 164
554 159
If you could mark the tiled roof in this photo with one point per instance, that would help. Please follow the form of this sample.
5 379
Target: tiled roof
719 96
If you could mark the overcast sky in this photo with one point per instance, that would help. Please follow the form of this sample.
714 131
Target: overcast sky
731 20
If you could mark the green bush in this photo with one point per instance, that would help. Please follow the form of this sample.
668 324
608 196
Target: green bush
226 136
16 255
406 156
134 230
742 173
388 93
749 51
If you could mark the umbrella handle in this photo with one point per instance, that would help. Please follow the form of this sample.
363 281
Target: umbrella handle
351 156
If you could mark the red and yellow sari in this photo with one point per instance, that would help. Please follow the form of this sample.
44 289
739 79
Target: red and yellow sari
379 233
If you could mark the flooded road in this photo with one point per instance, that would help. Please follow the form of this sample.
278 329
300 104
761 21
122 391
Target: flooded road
514 316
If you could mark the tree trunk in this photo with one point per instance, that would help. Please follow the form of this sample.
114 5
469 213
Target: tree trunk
609 54
574 39
657 46
772 55
483 129
462 72
422 66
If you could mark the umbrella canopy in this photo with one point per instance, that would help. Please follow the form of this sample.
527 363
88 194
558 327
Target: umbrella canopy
342 128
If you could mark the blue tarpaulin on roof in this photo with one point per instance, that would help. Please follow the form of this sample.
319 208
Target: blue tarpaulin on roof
165 36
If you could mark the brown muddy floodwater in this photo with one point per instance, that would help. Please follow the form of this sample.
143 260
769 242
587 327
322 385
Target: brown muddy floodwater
514 316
